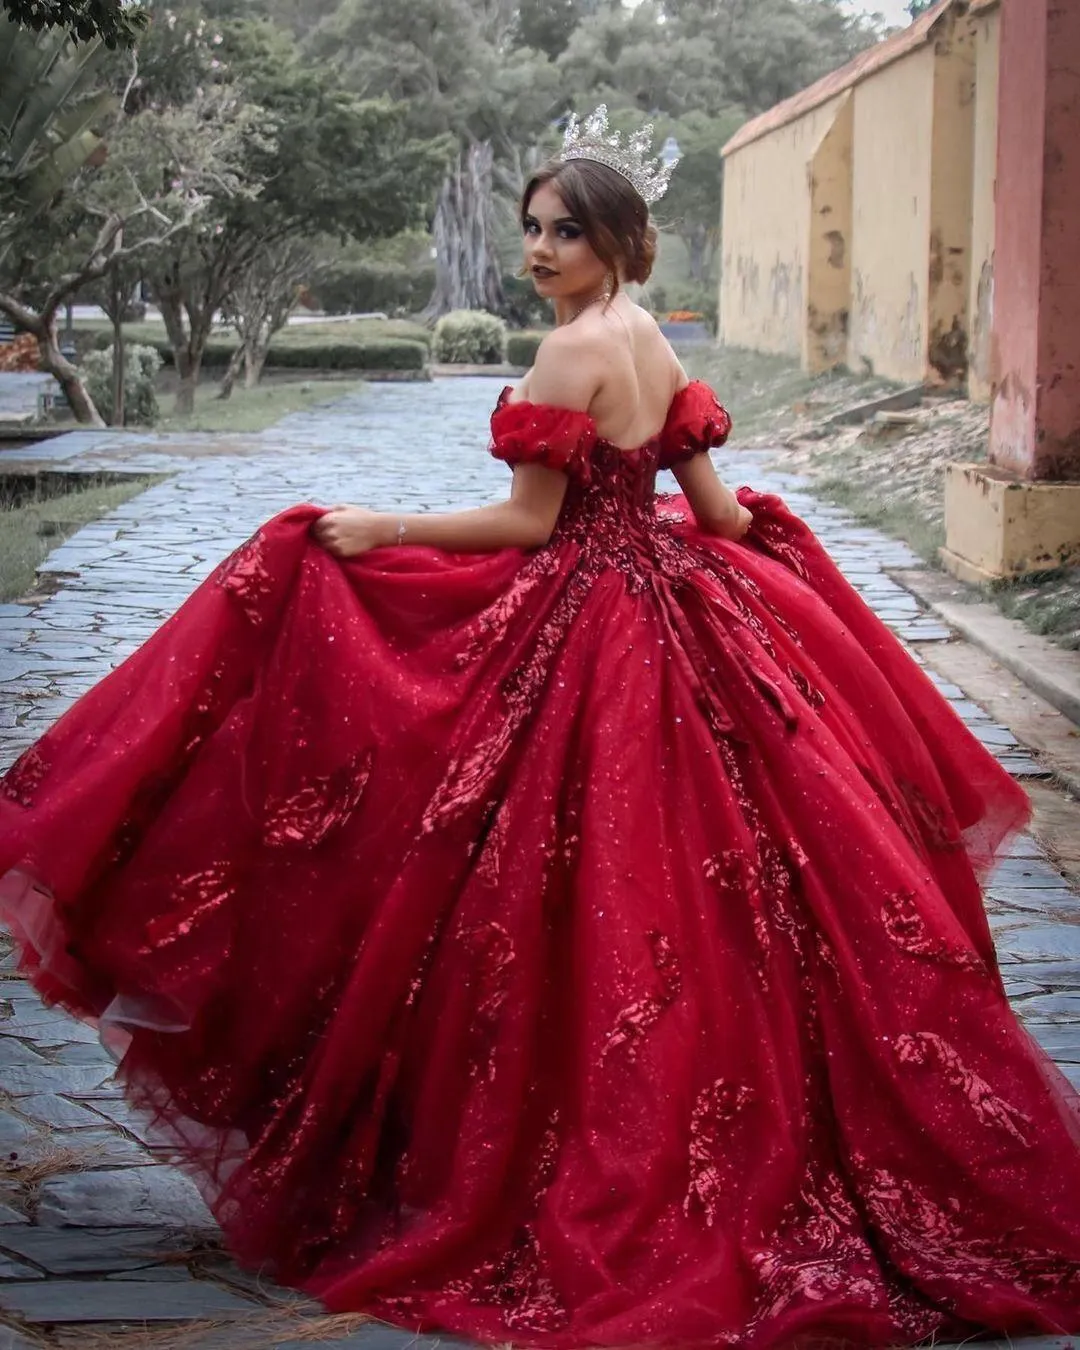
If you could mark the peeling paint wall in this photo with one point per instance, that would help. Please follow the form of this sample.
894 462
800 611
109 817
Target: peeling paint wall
987 42
890 264
953 154
861 231
828 316
766 234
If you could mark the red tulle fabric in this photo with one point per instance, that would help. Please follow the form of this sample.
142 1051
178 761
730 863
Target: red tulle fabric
580 947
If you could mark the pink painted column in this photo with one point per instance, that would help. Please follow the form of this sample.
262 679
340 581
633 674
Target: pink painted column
1035 360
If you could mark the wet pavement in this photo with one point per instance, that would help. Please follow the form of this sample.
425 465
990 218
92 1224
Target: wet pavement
94 1228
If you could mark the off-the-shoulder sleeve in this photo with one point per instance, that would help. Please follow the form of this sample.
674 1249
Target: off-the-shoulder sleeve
696 422
536 433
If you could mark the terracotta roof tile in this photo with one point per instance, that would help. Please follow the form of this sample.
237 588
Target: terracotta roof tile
836 82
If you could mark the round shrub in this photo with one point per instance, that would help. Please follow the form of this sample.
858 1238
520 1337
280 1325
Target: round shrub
521 348
469 337
141 365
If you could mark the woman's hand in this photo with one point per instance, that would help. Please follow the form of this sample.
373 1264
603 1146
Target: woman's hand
742 523
346 531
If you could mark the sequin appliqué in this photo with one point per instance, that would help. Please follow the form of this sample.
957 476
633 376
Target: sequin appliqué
925 1047
716 1107
906 927
636 1020
305 817
25 776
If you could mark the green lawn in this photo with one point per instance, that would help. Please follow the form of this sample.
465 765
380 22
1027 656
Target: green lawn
252 409
33 524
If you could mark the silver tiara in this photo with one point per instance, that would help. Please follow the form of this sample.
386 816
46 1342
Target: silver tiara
590 139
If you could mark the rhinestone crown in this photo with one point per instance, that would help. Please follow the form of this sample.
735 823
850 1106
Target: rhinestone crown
591 139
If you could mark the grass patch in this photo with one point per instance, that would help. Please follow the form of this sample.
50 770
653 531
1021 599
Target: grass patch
768 395
258 408
34 521
1047 603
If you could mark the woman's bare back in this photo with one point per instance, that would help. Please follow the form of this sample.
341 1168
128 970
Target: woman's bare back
637 371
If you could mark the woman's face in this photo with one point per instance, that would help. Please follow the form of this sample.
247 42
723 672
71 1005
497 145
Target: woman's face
557 254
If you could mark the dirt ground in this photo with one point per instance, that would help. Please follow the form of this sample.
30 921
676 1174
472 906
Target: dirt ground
888 470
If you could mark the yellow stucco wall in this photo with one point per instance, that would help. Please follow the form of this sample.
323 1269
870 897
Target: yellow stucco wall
987 29
860 231
828 273
766 236
891 218
950 206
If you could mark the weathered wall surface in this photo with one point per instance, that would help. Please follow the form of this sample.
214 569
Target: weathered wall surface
828 304
987 44
1035 405
879 182
767 235
894 124
952 154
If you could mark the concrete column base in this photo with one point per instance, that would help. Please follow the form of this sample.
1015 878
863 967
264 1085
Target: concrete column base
999 526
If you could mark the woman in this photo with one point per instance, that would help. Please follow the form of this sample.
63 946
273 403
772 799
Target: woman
559 922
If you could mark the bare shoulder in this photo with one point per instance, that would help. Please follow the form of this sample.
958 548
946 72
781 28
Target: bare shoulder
567 372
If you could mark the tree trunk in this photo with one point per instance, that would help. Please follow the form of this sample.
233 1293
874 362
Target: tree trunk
118 368
187 370
231 372
466 265
255 355
80 402
187 346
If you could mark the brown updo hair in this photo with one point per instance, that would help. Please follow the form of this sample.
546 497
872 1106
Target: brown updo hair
612 215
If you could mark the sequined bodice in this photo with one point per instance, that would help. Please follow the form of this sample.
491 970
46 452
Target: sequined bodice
610 503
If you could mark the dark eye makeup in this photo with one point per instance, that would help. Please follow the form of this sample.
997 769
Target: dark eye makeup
566 228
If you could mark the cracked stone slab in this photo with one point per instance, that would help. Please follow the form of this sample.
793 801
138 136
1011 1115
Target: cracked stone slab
95 1251
1047 940
29 1079
57 1112
15 1132
56 1301
379 1336
15 1052
110 1198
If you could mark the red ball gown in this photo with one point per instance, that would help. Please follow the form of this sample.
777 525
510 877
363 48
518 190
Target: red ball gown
575 947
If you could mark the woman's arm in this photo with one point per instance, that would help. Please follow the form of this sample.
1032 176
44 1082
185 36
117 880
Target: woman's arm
565 375
716 508
525 521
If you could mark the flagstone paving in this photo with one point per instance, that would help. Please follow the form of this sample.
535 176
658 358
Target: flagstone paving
111 1235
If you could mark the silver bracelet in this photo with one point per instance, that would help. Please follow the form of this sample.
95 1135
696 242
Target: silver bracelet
400 532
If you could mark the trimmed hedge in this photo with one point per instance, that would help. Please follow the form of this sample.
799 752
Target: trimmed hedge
521 348
364 287
320 354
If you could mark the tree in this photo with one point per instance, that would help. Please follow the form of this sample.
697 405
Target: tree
114 22
48 109
917 7
351 168
70 218
694 200
454 66
260 303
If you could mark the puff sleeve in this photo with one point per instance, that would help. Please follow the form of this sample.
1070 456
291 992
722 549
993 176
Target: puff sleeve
696 422
537 433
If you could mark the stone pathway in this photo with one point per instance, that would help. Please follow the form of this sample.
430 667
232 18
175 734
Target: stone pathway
94 1229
